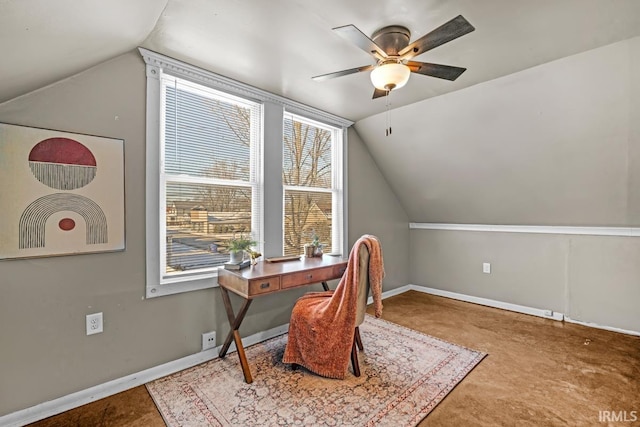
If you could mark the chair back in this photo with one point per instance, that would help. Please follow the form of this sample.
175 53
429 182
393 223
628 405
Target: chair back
363 283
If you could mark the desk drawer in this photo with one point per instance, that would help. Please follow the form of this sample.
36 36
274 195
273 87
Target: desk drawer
311 276
262 286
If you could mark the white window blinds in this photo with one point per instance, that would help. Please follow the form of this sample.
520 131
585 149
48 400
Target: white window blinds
312 179
209 172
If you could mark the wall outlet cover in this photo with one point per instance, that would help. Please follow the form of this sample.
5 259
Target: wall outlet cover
208 340
94 323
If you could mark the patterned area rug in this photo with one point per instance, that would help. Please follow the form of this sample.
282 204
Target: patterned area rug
404 375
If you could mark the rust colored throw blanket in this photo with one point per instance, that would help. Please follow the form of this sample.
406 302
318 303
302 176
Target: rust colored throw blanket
323 323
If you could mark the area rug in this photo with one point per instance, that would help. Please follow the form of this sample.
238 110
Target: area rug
404 375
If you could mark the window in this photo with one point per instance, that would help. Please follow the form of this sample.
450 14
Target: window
312 180
215 166
209 176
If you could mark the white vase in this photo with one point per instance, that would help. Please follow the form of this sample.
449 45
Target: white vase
236 257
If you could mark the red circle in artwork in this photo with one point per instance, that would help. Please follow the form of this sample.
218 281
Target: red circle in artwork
62 150
67 224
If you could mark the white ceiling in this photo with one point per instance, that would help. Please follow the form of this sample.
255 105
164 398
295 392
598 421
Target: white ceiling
278 45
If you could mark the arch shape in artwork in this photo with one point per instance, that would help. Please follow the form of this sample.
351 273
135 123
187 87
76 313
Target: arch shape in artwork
34 218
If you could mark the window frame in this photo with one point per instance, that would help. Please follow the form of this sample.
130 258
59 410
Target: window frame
337 181
254 183
273 105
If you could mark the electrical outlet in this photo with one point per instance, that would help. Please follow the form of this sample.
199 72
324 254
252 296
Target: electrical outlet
486 267
548 313
208 340
94 323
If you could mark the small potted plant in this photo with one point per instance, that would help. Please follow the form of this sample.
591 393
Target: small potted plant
237 246
314 248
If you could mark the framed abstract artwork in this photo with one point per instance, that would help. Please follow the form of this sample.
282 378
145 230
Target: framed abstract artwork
61 193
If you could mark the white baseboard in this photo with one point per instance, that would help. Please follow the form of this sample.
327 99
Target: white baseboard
606 328
517 308
554 315
391 293
82 397
503 305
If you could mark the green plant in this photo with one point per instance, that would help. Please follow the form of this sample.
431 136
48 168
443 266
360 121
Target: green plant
242 243
315 240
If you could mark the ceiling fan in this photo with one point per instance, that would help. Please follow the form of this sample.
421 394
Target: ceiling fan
393 53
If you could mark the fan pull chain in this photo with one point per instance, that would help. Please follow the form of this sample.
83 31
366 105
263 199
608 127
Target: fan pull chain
387 131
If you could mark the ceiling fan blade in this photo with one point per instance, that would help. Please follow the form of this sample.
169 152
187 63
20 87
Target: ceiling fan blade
453 29
447 72
377 93
342 73
354 35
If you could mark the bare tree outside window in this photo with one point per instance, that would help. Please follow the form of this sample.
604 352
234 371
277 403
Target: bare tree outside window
307 167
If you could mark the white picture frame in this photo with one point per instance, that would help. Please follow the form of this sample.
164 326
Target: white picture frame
61 193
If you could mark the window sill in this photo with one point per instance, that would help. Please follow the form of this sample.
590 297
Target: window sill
186 285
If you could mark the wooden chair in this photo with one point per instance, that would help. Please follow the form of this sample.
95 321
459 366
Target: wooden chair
363 295
324 330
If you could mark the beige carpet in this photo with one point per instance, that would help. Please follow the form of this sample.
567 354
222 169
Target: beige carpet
405 374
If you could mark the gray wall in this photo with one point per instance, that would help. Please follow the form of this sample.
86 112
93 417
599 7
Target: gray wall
594 279
44 352
558 144
374 209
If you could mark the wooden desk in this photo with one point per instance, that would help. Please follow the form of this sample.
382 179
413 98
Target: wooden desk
267 278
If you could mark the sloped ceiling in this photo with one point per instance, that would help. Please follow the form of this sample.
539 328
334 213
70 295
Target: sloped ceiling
556 144
43 41
279 45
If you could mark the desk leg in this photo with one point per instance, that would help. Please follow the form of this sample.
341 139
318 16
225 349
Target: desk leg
234 323
325 286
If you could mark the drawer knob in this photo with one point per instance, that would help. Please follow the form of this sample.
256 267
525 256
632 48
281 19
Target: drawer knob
265 285
309 276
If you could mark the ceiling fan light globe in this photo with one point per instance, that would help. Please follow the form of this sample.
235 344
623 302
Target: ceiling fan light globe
390 76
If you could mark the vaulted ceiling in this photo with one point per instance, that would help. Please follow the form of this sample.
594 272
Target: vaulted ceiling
278 45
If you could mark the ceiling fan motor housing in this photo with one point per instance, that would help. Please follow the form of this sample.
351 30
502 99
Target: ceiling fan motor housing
392 39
